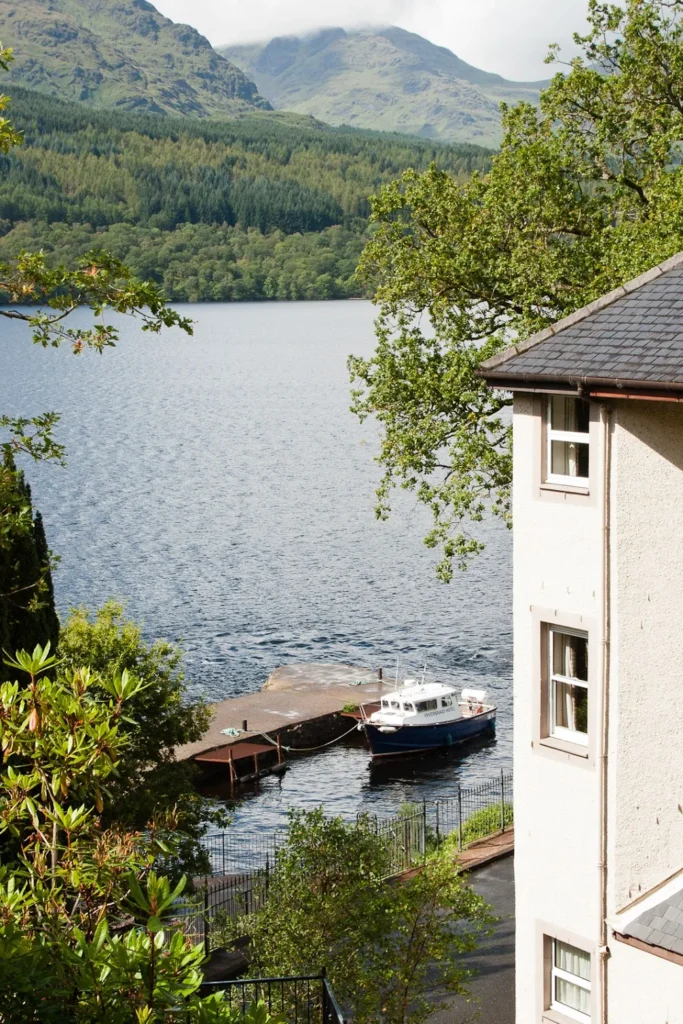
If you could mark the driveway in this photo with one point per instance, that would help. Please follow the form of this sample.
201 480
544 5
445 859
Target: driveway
494 962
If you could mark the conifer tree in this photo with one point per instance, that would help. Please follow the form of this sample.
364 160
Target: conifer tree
27 607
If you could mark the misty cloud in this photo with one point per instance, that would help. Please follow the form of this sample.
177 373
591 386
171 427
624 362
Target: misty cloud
507 36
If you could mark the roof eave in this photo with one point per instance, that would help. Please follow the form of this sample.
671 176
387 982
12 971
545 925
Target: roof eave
575 383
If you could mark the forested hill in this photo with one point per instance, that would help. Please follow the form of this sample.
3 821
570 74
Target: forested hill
123 54
250 209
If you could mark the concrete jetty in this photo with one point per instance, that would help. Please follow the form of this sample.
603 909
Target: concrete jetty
302 700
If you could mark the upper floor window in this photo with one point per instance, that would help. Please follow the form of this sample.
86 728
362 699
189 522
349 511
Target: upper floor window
568 689
567 455
570 981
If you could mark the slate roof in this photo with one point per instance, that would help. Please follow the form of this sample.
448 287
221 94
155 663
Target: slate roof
632 337
660 926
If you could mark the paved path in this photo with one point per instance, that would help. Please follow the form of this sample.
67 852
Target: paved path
486 850
494 961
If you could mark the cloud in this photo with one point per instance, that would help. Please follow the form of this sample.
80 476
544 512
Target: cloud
507 36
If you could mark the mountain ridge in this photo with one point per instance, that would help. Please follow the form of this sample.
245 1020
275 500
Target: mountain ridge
121 54
383 78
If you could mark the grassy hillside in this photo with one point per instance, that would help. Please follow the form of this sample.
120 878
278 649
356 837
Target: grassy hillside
251 209
388 79
121 53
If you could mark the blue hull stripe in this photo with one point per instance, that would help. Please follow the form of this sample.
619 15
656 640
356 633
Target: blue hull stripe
409 738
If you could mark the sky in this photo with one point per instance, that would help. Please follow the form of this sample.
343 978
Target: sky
509 37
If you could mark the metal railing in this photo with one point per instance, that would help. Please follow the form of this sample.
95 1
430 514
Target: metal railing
300 999
233 852
242 862
473 813
229 896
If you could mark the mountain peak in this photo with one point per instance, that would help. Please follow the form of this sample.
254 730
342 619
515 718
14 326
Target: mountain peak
121 53
381 77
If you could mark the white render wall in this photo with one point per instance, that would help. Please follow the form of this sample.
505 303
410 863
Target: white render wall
643 989
558 572
646 745
557 566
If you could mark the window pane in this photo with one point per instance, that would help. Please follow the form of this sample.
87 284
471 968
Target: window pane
569 459
572 960
571 414
571 707
570 656
573 996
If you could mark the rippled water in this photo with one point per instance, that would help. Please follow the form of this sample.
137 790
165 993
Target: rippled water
222 488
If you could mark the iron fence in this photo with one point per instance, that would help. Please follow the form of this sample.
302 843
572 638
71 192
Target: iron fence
474 813
242 862
232 852
227 896
301 999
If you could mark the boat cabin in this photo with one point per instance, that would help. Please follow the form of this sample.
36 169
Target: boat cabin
431 699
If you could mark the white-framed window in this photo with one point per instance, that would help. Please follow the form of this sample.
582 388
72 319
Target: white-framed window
570 981
568 684
567 447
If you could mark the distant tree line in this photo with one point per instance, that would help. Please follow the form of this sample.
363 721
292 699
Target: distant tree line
265 207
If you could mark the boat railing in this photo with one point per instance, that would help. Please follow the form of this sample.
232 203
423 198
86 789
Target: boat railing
469 709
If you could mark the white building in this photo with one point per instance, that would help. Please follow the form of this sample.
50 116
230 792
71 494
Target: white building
598 678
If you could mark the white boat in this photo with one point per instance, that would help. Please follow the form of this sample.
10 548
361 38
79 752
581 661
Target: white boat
426 716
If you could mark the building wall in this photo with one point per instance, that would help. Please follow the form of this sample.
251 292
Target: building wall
557 570
646 678
643 988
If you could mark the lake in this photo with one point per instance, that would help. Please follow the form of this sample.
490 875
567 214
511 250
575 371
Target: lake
220 486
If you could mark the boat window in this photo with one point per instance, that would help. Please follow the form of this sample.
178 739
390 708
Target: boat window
395 704
446 702
408 707
385 703
427 705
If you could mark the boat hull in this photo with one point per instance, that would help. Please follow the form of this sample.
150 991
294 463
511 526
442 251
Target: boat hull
411 739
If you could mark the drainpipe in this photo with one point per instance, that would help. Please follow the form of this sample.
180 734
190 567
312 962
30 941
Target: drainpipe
603 949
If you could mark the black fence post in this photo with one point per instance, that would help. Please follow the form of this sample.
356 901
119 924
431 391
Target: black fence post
207 937
436 815
424 831
459 817
502 800
407 843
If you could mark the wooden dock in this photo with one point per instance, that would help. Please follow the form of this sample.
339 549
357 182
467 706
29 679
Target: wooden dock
301 703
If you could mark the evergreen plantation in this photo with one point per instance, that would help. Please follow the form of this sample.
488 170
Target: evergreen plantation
266 207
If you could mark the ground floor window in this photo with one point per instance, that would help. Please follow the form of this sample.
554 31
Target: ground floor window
570 981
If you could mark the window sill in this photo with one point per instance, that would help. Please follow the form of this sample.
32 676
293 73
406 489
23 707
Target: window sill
563 488
555 1017
567 747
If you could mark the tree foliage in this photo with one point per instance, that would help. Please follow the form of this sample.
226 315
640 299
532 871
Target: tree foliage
209 211
385 946
585 193
86 924
150 785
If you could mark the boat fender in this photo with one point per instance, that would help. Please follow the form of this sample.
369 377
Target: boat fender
479 710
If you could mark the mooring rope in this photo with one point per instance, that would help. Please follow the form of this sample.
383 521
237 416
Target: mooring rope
307 750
